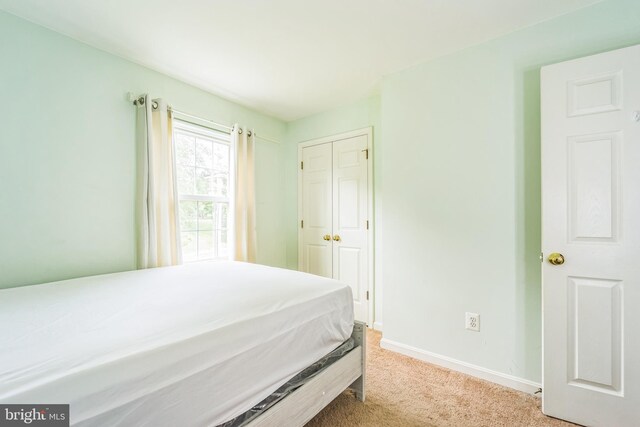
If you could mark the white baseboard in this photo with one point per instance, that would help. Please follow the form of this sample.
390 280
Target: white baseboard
377 326
464 367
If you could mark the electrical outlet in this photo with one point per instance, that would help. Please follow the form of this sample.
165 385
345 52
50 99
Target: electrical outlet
472 321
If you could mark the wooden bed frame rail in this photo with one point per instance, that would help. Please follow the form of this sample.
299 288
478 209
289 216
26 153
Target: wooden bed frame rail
303 404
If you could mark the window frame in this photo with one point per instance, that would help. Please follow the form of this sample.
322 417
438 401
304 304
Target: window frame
199 131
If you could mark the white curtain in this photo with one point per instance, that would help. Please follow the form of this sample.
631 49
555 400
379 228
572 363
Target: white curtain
158 238
244 206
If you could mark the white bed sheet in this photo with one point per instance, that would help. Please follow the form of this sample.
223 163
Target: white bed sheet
196 344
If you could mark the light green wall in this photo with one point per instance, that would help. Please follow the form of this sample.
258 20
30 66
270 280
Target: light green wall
461 212
67 156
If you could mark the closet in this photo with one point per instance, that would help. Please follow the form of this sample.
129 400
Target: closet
335 213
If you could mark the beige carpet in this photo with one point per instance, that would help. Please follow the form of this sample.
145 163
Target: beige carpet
402 391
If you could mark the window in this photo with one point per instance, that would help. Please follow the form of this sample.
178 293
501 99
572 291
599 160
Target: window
203 157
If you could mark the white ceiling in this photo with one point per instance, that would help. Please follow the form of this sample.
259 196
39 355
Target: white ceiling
286 58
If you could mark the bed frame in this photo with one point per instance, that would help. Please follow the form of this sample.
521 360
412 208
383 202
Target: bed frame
303 404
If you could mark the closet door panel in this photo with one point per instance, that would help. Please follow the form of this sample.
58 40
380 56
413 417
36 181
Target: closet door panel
317 210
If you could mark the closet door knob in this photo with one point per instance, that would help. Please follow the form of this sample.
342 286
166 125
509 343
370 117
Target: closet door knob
336 238
327 237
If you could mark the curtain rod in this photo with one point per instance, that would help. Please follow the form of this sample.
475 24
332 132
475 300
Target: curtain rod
273 141
227 129
182 113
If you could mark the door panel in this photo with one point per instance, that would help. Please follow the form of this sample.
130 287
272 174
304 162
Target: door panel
316 210
350 211
591 214
349 260
593 187
595 334
348 203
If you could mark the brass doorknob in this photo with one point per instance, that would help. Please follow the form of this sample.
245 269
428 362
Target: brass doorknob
556 258
327 237
336 238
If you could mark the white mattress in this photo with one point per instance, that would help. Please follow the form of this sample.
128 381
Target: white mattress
190 345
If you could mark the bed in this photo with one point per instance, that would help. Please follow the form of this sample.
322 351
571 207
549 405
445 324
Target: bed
197 344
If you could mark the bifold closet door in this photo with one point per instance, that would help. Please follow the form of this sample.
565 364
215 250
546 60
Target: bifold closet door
317 210
335 208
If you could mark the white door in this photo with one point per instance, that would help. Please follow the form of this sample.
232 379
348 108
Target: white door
591 215
335 213
316 225
350 219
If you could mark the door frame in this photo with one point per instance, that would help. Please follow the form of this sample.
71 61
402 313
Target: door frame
368 131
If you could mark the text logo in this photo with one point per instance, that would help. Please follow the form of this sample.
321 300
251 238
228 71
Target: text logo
34 415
